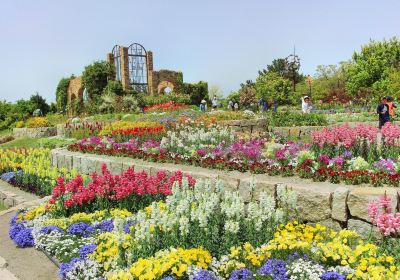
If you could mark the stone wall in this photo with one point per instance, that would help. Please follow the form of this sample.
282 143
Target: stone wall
74 92
165 78
37 132
333 205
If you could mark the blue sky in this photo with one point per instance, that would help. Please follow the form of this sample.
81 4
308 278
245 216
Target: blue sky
222 42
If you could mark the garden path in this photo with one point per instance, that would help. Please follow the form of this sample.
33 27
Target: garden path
21 264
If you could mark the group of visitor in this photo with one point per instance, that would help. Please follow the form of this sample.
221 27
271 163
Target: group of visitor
233 106
385 110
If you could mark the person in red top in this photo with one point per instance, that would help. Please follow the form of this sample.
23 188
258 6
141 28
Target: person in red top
391 106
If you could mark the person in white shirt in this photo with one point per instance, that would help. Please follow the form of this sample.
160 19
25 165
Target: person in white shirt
306 106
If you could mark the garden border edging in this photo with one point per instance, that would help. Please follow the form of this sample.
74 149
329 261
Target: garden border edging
334 205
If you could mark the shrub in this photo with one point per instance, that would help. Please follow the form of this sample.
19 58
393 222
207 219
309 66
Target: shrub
114 87
95 77
38 122
61 94
295 119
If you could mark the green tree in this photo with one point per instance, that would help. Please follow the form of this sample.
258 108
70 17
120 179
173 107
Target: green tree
114 87
270 85
96 76
38 102
371 67
197 92
329 83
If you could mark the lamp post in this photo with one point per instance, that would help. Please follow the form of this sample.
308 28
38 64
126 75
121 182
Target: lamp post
309 81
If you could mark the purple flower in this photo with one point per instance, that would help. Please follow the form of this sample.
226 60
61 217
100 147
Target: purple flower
330 275
275 268
21 236
48 229
241 274
168 278
106 226
347 154
81 229
15 229
204 274
338 161
13 220
66 267
201 152
386 165
295 256
86 250
127 227
324 159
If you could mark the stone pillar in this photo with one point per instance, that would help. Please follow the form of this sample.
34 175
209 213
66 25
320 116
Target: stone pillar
149 61
124 68
110 58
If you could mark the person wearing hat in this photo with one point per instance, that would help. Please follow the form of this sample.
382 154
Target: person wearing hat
306 104
203 106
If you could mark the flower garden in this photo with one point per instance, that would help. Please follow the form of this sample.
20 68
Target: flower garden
134 225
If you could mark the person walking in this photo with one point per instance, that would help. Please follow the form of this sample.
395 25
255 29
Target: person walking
236 106
214 102
383 111
230 105
261 104
203 106
391 107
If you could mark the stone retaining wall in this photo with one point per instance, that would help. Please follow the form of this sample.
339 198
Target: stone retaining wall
10 199
37 132
333 205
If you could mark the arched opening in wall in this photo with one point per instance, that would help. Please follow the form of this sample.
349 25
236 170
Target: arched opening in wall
165 87
167 90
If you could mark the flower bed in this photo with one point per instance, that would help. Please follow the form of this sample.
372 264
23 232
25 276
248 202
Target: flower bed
31 170
168 106
338 154
195 232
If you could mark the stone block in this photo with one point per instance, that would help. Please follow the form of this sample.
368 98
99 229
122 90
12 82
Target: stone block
360 197
264 187
142 167
230 183
85 164
245 190
68 161
116 167
54 158
76 163
339 204
60 160
363 228
313 202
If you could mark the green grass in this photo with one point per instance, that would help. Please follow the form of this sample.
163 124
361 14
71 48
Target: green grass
35 143
5 132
